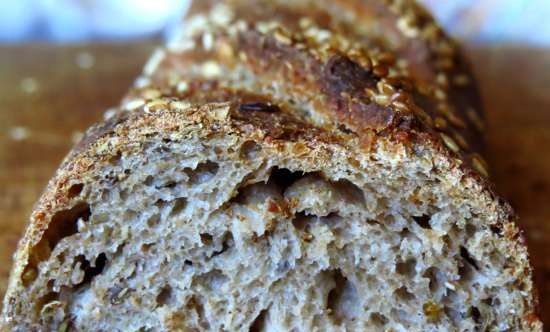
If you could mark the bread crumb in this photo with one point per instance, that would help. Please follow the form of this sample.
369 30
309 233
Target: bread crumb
18 133
29 85
85 60
76 136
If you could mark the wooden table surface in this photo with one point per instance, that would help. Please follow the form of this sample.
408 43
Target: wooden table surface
50 94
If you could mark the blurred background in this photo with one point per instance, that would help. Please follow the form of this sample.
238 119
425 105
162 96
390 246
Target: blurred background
478 21
64 62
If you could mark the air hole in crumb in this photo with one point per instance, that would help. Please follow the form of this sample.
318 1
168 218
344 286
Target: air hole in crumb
301 221
406 268
378 319
345 130
250 149
468 258
423 221
259 322
284 178
431 274
475 314
227 242
164 296
63 224
488 301
194 305
179 205
91 271
342 296
49 297
169 185
350 191
204 172
146 247
403 294
148 181
153 220
470 230
206 238
496 229
75 190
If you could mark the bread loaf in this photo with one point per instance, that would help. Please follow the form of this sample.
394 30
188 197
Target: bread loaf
281 166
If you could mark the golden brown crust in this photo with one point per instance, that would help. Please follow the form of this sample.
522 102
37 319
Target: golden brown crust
357 86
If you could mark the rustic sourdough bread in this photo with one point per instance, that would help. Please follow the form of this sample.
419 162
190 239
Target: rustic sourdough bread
281 166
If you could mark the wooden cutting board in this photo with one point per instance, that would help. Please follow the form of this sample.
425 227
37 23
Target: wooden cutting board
50 94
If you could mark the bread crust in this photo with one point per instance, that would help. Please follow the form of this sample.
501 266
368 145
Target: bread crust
340 80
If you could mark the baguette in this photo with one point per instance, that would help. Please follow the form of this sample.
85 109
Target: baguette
281 166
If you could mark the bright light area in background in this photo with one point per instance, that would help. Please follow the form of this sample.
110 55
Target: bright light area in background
81 20
495 21
478 21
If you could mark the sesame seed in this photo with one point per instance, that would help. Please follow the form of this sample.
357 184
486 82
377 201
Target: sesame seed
178 105
154 106
134 104
182 45
242 56
385 88
455 120
225 50
153 62
382 100
305 22
386 58
440 123
442 80
307 237
445 63
424 117
150 94
211 69
450 286
109 113
450 143
475 119
461 80
241 25
371 93
404 25
461 140
445 48
440 94
221 15
281 37
480 165
207 41
182 86
402 63
142 82
400 106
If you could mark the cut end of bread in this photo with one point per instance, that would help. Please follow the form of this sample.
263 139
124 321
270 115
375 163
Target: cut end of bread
188 220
